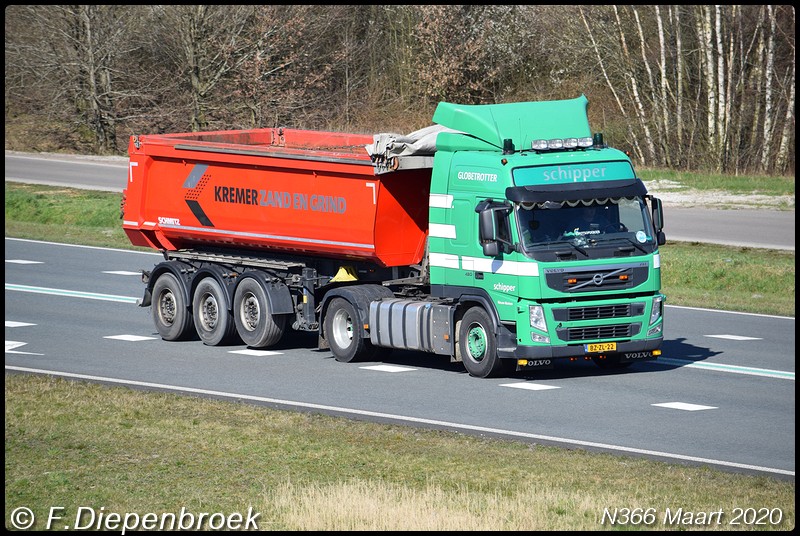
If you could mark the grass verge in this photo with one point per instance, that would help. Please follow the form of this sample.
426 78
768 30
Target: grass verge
79 445
733 184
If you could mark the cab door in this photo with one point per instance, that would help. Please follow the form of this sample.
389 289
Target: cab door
495 269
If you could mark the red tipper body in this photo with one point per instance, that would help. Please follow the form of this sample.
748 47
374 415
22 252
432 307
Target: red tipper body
293 191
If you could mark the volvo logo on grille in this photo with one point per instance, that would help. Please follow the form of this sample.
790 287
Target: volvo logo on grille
598 279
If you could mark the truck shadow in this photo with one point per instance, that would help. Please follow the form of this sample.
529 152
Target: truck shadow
677 353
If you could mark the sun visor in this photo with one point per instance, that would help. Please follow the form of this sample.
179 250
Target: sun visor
575 191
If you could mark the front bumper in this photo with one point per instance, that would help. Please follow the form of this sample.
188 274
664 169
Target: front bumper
544 357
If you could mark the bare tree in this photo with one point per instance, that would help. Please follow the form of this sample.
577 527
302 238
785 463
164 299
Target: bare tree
768 105
679 82
691 87
664 100
705 40
787 138
633 81
205 44
632 137
78 63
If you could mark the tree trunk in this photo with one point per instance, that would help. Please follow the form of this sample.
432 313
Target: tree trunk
662 66
782 160
707 59
648 138
679 90
768 107
634 140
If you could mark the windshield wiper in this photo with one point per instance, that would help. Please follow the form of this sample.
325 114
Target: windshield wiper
627 239
561 253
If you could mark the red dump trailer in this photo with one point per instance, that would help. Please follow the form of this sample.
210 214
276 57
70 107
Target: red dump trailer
306 192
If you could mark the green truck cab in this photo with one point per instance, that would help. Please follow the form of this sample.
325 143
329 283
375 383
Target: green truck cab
548 233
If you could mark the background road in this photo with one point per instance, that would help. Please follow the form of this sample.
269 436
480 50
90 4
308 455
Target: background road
772 229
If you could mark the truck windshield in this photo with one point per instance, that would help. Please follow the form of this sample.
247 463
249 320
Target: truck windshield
587 223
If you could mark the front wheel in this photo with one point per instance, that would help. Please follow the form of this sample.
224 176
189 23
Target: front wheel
343 331
212 321
477 344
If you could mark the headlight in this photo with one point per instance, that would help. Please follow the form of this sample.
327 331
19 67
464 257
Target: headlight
655 313
535 337
537 318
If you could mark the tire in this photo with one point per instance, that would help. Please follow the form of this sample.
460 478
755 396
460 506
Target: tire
344 332
169 309
255 324
212 321
477 344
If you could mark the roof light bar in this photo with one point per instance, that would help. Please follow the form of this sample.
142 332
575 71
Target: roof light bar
562 143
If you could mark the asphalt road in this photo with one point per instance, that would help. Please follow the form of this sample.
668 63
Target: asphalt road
721 395
770 229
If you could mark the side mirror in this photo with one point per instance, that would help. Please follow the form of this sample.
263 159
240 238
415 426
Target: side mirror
491 249
658 214
492 225
486 228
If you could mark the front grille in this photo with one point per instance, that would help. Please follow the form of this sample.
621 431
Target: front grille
598 312
614 331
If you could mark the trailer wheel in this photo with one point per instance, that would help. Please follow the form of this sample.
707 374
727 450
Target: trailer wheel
171 315
256 325
211 319
343 331
477 344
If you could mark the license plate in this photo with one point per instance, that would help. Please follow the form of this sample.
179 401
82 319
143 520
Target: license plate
600 347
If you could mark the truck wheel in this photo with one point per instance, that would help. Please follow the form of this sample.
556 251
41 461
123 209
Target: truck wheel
343 331
477 344
256 325
169 309
211 319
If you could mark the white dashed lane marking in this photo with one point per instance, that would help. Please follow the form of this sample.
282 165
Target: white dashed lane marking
11 345
12 324
131 338
258 353
735 337
683 406
388 368
530 386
